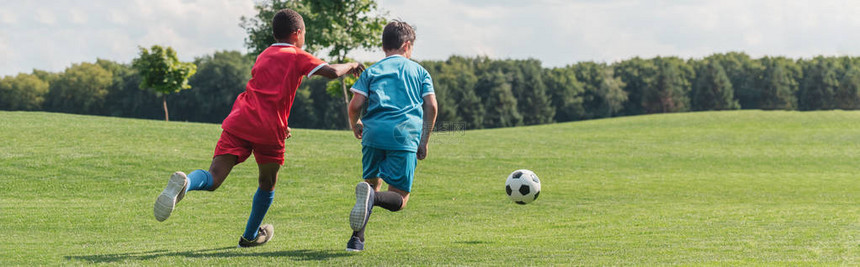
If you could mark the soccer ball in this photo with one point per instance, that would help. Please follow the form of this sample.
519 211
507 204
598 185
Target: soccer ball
523 186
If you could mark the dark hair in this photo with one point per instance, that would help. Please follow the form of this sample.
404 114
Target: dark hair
286 22
395 34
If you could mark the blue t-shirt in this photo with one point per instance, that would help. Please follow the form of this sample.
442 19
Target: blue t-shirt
395 88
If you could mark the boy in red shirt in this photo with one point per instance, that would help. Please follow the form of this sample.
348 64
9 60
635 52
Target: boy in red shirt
258 124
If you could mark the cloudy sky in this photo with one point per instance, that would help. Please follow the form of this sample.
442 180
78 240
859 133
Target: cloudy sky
53 34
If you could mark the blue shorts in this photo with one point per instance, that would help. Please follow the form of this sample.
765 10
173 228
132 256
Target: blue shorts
395 167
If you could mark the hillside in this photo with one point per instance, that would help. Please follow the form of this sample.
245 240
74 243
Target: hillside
740 187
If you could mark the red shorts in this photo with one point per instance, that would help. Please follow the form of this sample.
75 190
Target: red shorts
263 153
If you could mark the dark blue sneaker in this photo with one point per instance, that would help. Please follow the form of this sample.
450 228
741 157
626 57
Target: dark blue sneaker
363 205
354 244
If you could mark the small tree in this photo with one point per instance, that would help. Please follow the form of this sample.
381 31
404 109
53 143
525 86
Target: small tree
162 73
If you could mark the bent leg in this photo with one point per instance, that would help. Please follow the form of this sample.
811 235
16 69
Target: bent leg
220 168
403 194
393 200
397 170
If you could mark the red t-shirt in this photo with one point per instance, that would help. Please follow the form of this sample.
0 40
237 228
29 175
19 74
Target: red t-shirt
260 114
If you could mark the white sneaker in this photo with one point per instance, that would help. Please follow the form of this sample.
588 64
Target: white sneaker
172 194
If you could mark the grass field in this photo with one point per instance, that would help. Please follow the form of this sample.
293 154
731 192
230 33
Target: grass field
745 187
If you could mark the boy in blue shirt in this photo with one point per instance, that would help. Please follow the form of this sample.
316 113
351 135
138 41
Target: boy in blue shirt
401 112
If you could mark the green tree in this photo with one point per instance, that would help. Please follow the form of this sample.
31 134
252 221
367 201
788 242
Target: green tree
80 89
848 94
327 104
336 26
162 72
259 27
566 93
603 95
819 84
778 83
712 89
501 108
444 85
125 98
470 108
46 76
639 77
742 72
22 92
531 93
219 79
303 114
671 89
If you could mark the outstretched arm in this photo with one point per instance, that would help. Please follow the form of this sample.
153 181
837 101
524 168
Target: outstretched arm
336 70
430 108
354 111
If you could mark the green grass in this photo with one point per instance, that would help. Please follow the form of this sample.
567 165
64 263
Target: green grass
721 188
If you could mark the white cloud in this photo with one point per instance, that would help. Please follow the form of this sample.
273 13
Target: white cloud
555 31
45 16
117 17
8 57
77 16
84 31
564 32
7 17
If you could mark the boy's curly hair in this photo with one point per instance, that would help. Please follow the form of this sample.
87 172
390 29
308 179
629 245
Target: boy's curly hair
286 22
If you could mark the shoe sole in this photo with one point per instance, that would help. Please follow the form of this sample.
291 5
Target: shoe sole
353 250
166 202
358 215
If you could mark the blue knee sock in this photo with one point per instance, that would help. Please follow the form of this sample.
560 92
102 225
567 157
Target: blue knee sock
262 201
199 180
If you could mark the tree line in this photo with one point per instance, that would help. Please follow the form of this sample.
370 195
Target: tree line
478 92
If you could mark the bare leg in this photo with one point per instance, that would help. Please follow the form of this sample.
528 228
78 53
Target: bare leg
268 176
376 183
220 168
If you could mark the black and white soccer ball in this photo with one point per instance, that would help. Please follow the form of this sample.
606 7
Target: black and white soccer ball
523 186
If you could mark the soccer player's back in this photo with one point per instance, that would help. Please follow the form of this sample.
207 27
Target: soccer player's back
395 130
276 76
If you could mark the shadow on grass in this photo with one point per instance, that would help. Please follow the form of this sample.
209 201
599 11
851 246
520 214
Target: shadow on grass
472 242
225 252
